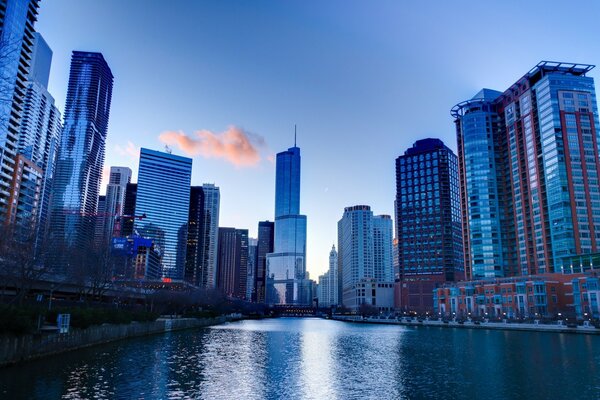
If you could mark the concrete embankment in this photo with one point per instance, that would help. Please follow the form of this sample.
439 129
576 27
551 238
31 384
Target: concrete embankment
14 349
471 325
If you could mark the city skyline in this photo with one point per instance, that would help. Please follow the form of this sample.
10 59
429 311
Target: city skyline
368 96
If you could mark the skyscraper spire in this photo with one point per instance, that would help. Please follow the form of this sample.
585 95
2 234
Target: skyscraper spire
294 135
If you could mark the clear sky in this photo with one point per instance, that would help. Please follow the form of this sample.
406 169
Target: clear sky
225 81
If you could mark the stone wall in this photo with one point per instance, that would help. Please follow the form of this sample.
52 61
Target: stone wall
19 348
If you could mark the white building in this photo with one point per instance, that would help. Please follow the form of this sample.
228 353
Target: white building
365 255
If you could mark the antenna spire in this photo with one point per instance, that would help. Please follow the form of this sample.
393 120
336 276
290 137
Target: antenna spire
294 135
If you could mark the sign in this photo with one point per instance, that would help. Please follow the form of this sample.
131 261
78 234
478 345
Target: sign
63 321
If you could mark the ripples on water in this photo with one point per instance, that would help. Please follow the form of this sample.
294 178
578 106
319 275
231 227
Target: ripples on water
318 359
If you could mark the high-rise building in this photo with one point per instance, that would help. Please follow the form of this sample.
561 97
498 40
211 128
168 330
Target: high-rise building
118 179
81 154
99 234
163 196
17 18
23 205
251 276
266 230
40 129
383 266
365 255
327 291
233 262
203 225
428 223
126 222
286 266
529 169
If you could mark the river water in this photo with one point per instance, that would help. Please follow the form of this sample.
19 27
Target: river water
309 358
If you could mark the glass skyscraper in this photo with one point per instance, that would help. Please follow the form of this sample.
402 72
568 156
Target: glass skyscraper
202 241
81 155
530 173
17 18
40 129
286 266
264 247
163 196
233 262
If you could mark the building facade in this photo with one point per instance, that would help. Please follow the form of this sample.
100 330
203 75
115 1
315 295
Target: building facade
537 142
202 242
266 234
542 296
286 266
251 270
358 259
113 209
233 262
17 19
125 223
428 225
40 128
163 197
81 154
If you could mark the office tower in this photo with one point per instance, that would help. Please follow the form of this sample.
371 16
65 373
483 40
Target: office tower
203 224
361 261
126 222
99 234
428 222
232 262
40 129
81 154
163 196
118 179
266 230
328 282
251 276
529 169
383 266
395 259
355 244
286 266
17 18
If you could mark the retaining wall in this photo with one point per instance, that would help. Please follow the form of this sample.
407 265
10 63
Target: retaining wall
19 348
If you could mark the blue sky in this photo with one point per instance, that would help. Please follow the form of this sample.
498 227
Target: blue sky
361 79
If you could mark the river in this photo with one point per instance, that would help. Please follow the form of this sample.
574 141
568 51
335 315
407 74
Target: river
309 358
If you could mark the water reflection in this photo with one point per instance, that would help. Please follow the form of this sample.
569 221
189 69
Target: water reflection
318 359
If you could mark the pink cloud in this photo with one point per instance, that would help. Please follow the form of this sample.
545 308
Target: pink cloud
130 150
234 145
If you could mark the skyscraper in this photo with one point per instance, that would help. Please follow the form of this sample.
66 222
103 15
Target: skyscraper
251 279
266 230
17 18
286 266
530 166
328 282
233 262
203 225
383 266
115 200
364 258
81 154
428 222
40 129
163 196
126 223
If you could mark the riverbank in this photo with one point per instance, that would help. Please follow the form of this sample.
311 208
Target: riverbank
15 349
587 330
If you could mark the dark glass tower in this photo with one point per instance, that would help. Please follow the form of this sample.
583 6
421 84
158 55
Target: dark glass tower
233 262
266 231
81 155
428 222
286 266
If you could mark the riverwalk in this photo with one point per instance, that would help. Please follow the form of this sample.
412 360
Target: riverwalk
513 326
